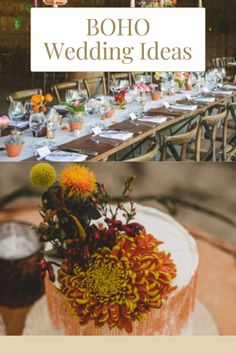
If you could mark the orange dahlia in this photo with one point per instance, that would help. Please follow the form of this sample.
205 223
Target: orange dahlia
119 285
79 181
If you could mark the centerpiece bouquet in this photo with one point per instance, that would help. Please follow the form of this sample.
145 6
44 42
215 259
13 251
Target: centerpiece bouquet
155 92
40 102
108 267
120 98
179 78
188 81
76 111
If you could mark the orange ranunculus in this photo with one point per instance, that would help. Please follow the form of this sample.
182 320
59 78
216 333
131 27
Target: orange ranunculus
48 97
36 99
36 108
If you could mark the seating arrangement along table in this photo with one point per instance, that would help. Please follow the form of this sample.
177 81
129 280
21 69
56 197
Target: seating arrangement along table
120 121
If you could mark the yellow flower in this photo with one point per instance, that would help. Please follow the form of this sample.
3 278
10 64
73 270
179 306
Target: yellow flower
79 181
158 75
43 175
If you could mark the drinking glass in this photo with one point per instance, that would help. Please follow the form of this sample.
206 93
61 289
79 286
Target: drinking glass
16 112
71 95
52 121
36 122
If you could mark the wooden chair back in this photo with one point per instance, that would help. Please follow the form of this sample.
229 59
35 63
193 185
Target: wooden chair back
150 155
121 76
23 94
210 124
183 140
95 85
135 75
63 86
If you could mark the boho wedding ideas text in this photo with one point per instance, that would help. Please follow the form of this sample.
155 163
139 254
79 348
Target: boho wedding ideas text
117 39
100 50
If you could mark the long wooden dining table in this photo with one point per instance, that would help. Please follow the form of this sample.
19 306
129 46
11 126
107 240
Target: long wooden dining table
141 130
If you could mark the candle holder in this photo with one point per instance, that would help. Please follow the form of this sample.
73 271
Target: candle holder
20 254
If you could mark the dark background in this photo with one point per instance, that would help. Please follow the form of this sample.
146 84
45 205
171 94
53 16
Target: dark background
221 24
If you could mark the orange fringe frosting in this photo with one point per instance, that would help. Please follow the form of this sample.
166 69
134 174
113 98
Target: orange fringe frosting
120 285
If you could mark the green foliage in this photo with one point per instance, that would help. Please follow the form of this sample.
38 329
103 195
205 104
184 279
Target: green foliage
14 140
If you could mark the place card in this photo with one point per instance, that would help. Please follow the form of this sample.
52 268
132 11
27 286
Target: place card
43 151
132 116
166 105
96 130
188 97
205 90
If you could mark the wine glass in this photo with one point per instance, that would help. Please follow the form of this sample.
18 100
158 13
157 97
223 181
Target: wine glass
71 95
36 122
52 122
16 112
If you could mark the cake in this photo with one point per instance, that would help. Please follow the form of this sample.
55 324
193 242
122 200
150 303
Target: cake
133 273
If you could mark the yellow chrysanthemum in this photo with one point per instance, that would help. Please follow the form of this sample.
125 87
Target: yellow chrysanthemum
42 175
119 285
79 181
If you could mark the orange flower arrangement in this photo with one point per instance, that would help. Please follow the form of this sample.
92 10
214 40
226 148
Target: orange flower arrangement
79 181
110 270
119 285
40 101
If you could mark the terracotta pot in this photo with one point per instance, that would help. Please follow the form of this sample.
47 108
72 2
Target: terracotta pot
155 96
188 87
14 150
75 126
109 114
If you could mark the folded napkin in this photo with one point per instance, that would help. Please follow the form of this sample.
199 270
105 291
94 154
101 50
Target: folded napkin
153 119
184 107
230 87
163 112
63 156
117 135
223 93
60 107
204 99
21 124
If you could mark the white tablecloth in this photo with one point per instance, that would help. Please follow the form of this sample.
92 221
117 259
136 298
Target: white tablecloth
65 136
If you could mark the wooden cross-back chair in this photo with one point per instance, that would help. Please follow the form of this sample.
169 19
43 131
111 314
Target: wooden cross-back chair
135 75
121 76
182 141
95 85
150 155
63 86
206 141
23 94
